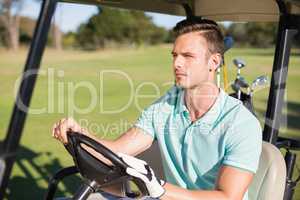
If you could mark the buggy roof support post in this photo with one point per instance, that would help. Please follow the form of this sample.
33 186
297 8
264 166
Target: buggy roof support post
287 29
22 102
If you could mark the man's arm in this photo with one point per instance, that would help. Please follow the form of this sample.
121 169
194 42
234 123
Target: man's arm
232 184
132 142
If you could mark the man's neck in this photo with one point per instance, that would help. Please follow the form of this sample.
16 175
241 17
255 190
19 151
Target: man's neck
200 99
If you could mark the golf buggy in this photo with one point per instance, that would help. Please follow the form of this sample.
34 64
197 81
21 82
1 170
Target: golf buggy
274 177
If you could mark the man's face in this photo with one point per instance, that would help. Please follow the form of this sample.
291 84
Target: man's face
190 60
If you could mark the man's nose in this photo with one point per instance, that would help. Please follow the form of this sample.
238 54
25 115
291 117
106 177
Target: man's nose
178 62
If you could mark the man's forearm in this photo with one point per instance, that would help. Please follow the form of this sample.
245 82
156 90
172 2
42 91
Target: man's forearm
107 143
177 193
132 142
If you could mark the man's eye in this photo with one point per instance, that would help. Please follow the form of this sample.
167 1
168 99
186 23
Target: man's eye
188 56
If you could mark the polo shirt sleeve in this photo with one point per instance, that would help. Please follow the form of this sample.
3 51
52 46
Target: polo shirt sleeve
243 142
145 121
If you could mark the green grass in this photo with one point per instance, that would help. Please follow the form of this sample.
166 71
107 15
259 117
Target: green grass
40 155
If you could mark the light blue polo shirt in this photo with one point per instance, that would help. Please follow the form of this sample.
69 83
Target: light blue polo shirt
192 153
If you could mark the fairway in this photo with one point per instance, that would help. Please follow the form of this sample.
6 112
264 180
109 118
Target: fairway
106 91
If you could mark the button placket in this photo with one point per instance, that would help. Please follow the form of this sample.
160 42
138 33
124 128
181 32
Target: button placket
187 116
203 127
186 145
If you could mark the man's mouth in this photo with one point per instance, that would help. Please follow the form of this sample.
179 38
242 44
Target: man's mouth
178 73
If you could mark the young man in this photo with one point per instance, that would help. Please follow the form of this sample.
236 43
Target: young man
210 143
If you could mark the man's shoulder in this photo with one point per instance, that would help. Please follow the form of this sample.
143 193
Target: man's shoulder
230 105
241 116
237 111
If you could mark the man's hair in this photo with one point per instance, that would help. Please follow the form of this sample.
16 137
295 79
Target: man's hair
207 28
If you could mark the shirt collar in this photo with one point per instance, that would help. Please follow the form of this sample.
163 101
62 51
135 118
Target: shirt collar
180 103
211 115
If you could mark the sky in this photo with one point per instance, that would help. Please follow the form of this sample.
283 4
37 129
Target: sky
70 16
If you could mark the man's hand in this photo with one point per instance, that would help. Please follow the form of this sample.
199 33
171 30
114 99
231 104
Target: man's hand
141 170
59 130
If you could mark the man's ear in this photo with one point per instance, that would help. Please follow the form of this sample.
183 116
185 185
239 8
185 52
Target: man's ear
215 61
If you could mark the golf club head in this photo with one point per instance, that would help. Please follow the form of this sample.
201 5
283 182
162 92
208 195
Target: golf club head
228 43
235 87
260 82
239 63
241 82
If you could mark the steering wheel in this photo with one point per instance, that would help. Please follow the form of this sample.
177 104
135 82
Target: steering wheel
95 170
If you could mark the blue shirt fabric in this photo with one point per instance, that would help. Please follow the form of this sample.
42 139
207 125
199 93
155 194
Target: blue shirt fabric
193 152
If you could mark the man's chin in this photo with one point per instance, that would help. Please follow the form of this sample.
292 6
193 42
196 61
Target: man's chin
181 85
187 86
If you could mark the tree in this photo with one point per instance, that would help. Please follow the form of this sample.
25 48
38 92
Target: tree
255 34
239 33
262 34
10 18
27 26
69 40
119 26
57 34
2 34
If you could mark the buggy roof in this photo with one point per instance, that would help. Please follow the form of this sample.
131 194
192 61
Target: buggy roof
219 10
